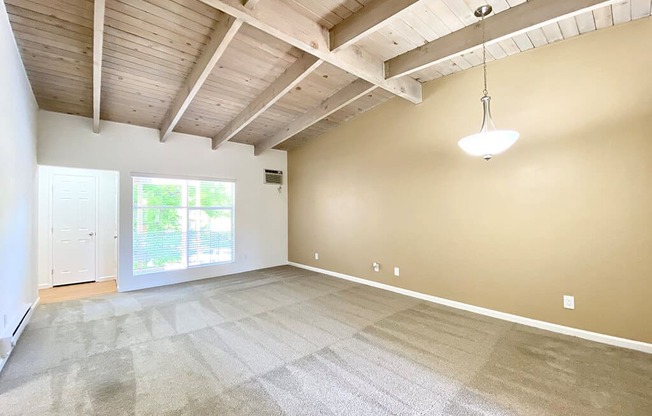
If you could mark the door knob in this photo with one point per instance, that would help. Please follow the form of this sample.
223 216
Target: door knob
91 234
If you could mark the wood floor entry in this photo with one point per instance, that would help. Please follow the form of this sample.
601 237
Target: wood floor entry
78 291
286 341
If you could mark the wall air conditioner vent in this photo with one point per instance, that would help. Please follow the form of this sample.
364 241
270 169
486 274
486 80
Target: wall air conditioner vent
273 177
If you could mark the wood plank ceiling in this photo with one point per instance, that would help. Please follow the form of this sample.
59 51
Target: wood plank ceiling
152 50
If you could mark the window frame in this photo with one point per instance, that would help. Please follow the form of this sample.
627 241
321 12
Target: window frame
187 208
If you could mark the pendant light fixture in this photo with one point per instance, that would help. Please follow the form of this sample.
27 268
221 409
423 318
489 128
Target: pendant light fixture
489 141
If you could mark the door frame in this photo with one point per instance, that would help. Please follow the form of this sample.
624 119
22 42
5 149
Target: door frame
47 173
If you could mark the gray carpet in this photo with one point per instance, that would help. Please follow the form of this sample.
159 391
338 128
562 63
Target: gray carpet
288 341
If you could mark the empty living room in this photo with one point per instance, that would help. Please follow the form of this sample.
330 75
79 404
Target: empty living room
326 207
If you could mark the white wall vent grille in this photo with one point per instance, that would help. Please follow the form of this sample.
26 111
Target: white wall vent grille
273 177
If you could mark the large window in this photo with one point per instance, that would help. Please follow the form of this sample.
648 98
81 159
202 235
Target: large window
182 223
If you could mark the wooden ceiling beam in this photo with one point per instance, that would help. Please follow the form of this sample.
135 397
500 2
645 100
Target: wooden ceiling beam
366 21
279 19
340 99
511 22
98 42
292 76
221 37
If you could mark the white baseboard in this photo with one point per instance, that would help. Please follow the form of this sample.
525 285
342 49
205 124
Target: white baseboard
44 286
3 361
580 333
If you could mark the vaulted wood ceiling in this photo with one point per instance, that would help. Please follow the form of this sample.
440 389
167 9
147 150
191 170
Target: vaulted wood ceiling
271 73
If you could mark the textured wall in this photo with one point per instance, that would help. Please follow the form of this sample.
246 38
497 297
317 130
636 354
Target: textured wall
567 210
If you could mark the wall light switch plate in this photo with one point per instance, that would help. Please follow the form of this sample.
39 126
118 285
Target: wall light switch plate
316 256
569 302
397 272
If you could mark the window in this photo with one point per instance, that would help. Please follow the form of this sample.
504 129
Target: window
181 223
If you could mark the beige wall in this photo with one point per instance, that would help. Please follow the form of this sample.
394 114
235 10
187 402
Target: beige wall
567 210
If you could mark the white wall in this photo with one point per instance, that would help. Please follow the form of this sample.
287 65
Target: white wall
261 212
18 112
106 227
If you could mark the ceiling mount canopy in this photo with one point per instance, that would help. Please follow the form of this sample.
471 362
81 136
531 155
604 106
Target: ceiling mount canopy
489 141
483 11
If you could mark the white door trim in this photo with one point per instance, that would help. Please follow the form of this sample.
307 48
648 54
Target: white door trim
45 253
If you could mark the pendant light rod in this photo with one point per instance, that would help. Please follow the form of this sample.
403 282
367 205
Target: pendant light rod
482 12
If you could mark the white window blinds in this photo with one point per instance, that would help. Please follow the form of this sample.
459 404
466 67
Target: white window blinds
181 223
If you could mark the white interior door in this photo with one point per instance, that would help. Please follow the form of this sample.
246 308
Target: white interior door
73 229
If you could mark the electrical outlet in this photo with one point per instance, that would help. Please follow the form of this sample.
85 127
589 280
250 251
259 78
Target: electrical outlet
376 266
569 302
397 272
316 256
